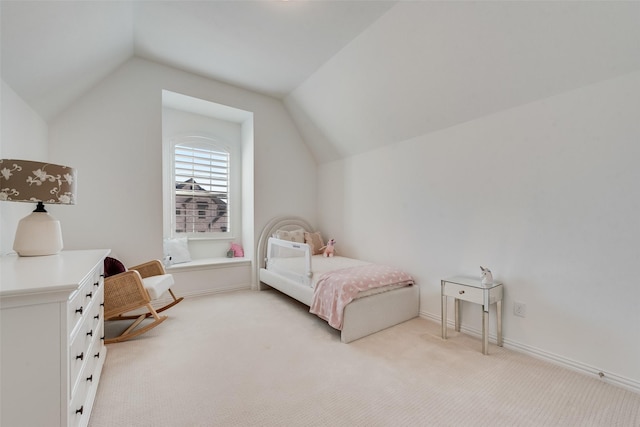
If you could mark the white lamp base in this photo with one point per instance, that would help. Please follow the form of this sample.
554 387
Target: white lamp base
38 234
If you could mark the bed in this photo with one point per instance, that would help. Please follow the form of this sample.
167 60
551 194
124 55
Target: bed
296 272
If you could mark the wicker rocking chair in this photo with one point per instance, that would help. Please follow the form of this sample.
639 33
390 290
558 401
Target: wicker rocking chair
134 289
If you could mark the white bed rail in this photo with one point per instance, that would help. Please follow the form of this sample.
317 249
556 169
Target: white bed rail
298 254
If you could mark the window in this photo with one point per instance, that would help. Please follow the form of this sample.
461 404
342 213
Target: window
207 174
201 173
202 210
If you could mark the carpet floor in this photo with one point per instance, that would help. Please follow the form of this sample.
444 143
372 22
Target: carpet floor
260 359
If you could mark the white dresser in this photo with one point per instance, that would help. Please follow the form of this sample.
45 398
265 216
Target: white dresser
51 337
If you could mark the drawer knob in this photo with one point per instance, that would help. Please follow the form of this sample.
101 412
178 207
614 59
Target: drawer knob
96 284
90 294
79 310
97 316
461 292
79 411
97 355
80 356
90 333
90 378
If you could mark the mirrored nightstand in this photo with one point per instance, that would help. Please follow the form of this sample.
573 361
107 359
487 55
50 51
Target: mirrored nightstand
472 290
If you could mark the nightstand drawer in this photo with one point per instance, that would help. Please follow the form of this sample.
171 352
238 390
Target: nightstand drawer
465 293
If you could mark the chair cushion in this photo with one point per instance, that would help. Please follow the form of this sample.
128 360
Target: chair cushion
157 285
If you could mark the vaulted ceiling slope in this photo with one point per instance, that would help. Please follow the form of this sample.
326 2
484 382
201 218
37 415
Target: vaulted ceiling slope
355 75
53 51
425 66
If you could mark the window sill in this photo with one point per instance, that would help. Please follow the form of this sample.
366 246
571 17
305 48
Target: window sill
208 264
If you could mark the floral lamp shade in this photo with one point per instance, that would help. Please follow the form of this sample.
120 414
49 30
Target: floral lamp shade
29 181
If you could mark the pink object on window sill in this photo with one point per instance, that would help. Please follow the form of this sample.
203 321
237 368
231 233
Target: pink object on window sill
238 252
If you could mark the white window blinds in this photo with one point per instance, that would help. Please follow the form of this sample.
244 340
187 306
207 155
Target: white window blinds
202 188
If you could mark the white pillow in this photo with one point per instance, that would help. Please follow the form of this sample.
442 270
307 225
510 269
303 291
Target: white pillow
296 235
177 250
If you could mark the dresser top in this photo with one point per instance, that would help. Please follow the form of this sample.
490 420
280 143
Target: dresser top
22 276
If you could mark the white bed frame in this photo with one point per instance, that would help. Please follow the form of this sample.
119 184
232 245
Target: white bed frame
363 316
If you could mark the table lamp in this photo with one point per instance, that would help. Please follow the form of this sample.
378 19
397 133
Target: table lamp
28 181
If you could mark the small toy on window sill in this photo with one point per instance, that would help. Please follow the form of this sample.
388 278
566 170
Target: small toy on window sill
329 250
238 252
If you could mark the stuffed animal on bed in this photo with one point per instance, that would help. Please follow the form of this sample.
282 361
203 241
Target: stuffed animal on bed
329 250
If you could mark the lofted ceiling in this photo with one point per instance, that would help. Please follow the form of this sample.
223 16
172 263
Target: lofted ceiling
355 75
53 51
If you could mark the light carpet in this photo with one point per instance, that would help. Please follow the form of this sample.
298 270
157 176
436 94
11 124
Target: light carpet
260 359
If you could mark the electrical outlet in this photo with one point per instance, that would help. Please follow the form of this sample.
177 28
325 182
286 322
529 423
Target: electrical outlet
520 309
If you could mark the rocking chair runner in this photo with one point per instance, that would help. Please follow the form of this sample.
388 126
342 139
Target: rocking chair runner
128 290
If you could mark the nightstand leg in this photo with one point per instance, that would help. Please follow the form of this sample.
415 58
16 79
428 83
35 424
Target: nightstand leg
444 317
499 320
485 331
456 313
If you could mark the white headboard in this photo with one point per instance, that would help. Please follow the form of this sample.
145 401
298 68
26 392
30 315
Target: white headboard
279 223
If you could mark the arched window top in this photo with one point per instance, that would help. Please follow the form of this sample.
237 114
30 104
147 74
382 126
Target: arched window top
202 141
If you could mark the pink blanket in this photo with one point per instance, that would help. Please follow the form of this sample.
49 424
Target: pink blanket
336 289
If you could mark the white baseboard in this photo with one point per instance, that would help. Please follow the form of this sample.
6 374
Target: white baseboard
219 290
556 359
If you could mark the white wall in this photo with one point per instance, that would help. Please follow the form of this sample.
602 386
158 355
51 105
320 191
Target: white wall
545 194
23 135
113 136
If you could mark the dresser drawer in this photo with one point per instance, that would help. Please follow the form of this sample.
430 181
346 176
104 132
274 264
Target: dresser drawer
98 351
78 355
465 293
78 407
91 358
80 300
83 337
96 310
87 381
76 308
